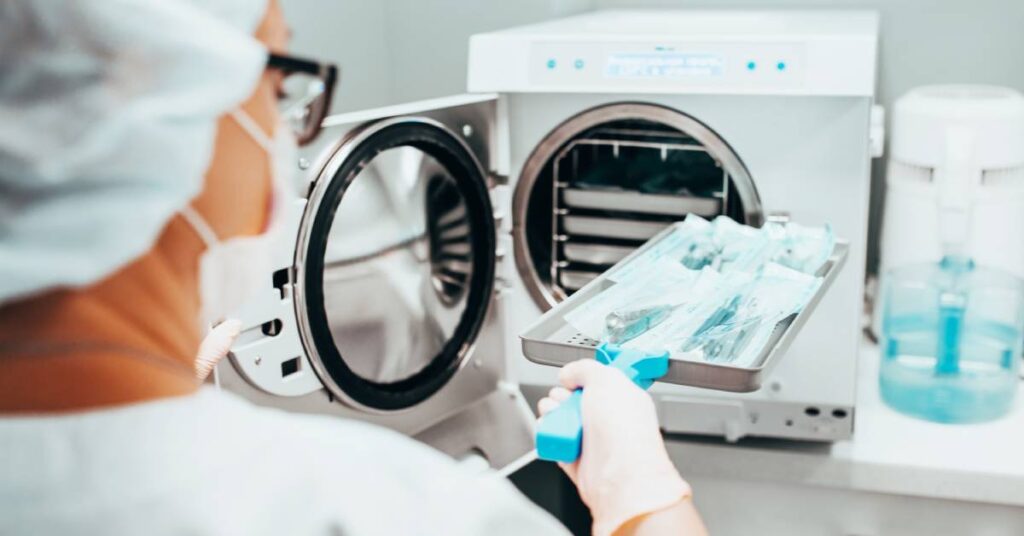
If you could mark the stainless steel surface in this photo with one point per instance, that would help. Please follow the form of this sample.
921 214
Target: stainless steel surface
374 332
601 254
498 427
612 227
551 340
460 417
391 305
604 203
623 142
673 205
542 282
575 279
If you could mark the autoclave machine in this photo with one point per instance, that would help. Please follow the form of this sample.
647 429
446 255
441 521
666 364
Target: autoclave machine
621 122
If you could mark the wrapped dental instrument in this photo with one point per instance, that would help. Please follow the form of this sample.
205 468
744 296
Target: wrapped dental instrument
806 249
701 252
729 344
623 326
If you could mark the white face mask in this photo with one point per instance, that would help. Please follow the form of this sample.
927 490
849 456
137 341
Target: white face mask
231 271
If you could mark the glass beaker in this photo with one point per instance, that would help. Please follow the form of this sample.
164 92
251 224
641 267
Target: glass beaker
952 337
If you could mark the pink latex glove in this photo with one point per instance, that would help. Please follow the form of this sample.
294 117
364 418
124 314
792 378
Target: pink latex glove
624 471
215 346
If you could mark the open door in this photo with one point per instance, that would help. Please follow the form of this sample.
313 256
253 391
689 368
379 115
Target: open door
384 307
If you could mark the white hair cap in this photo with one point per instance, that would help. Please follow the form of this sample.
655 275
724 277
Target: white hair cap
108 111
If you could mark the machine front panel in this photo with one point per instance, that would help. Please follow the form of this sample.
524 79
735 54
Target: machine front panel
728 52
808 158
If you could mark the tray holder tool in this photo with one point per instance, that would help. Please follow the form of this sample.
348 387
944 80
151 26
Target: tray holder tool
560 431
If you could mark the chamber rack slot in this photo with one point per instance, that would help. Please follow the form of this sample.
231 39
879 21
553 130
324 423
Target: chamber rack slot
616 186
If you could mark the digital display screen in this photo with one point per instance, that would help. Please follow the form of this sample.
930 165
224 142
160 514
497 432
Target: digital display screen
668 65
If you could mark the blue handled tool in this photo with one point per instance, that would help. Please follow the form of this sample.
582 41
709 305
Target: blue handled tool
560 432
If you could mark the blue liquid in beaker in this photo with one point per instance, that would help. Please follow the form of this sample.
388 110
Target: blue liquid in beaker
967 374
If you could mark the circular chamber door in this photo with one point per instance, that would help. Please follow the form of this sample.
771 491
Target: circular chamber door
395 263
608 179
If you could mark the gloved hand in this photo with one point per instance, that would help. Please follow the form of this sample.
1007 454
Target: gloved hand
215 346
623 471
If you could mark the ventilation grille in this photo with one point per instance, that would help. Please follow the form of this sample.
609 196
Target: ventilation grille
904 172
1011 177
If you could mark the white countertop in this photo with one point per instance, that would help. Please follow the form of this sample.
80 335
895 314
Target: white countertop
889 453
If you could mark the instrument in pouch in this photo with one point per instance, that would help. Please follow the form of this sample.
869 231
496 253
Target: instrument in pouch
730 343
560 432
703 251
622 326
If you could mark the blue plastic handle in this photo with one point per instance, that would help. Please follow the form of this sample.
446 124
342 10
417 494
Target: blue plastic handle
560 432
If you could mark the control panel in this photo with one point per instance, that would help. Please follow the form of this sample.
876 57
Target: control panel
729 52
668 66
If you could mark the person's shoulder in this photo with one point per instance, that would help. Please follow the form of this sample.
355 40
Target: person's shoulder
348 439
357 466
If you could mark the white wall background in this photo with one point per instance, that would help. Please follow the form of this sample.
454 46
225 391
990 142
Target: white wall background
400 50
394 51
352 34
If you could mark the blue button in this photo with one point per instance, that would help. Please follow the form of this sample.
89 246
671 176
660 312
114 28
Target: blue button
751 65
578 63
781 66
551 63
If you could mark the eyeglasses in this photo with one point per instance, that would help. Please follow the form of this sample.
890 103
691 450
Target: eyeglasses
305 93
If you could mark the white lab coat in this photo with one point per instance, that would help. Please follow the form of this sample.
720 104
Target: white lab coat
212 463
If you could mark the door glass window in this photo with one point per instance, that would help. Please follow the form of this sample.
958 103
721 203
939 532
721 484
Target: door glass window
397 265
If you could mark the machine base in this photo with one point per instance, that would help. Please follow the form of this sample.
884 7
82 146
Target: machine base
734 419
498 427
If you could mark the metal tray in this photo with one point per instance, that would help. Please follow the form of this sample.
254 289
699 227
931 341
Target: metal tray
575 279
595 253
628 201
612 227
553 341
